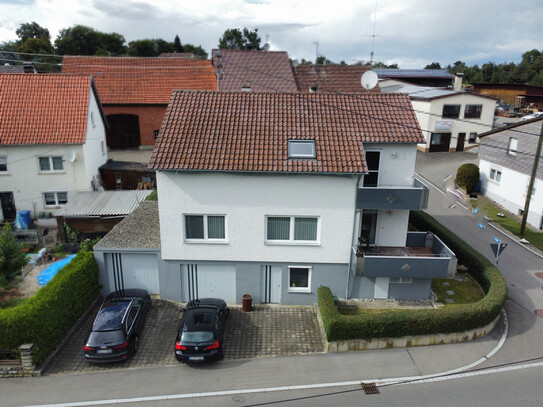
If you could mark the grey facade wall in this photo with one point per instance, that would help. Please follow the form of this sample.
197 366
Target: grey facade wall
418 289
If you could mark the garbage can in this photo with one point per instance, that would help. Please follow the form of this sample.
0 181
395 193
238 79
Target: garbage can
247 303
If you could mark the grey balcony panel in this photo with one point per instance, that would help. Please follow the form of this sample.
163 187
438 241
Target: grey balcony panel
407 197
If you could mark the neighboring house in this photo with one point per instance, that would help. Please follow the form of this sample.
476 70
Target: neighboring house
52 141
186 55
331 78
9 68
451 119
515 94
123 175
424 77
506 161
135 91
253 71
275 194
95 213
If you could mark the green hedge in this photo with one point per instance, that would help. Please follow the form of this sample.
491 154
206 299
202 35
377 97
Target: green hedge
47 316
397 323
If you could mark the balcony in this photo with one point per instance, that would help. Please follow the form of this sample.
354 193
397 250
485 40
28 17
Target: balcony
424 256
393 197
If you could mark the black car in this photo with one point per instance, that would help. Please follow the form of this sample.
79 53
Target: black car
200 333
115 332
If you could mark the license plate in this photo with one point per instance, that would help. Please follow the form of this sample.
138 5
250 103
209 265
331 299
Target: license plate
103 351
196 358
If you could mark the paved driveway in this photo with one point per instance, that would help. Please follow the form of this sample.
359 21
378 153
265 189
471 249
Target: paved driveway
268 331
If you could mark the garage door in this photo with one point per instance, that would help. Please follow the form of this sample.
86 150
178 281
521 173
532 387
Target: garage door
132 270
210 280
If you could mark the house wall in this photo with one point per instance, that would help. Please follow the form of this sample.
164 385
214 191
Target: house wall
150 119
94 149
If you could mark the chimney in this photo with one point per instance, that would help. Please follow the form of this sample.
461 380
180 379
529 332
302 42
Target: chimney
458 82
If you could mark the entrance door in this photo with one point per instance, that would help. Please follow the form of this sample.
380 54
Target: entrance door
368 228
381 288
460 142
8 205
440 142
271 284
123 131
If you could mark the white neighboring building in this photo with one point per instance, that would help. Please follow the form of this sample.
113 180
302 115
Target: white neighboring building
506 160
52 141
451 119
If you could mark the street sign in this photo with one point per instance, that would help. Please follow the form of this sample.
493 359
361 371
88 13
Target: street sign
481 226
475 210
497 240
498 249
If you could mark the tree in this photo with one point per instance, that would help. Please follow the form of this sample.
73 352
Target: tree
197 50
112 43
177 46
433 65
33 39
234 38
12 258
322 60
467 176
27 31
142 48
83 40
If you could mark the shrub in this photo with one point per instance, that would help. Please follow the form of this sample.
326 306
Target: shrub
467 176
46 317
12 258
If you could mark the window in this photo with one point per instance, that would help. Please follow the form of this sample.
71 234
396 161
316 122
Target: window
246 88
205 227
495 175
92 119
451 111
299 279
3 163
372 159
51 164
473 111
55 198
368 227
301 149
292 229
512 148
472 137
401 280
156 133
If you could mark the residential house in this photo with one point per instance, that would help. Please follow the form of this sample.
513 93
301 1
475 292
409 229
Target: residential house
424 77
253 71
331 78
275 194
451 119
135 91
52 141
506 160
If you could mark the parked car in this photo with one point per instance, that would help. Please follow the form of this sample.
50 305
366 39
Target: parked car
117 326
200 332
532 116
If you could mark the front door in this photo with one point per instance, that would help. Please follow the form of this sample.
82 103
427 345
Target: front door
8 205
460 142
440 142
381 288
271 284
368 228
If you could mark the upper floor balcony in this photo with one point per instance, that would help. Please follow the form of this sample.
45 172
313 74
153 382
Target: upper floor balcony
409 197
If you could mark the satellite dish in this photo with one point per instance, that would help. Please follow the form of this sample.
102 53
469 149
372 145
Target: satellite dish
295 63
71 156
266 47
369 80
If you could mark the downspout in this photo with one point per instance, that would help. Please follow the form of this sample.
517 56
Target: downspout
352 235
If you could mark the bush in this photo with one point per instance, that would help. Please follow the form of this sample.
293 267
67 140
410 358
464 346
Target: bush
397 323
467 177
12 258
46 317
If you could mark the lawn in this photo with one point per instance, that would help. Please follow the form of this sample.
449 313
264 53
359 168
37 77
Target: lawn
466 291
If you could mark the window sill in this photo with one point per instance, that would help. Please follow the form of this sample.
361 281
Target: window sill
295 290
5 173
290 243
51 172
203 241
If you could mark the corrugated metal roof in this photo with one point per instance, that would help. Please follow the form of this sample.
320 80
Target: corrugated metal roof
106 203
413 73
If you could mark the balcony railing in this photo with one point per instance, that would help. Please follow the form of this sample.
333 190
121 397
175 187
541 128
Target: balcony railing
424 256
393 197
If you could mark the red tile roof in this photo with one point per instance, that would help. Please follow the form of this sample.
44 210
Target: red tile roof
43 108
249 132
331 78
121 80
260 70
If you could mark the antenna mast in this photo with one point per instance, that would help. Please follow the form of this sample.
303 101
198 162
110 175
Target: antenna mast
316 50
373 35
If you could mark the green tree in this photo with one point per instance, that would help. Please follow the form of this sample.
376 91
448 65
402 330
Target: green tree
27 31
433 65
142 48
322 60
12 258
83 40
112 43
197 50
234 38
467 176
33 39
177 46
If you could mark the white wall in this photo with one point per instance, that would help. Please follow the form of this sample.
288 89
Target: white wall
397 163
246 200
95 149
511 191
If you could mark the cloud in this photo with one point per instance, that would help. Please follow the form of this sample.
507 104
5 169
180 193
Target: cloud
127 9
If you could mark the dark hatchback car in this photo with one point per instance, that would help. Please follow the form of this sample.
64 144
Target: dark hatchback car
200 333
115 332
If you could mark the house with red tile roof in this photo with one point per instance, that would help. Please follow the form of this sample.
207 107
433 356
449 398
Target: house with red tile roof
52 141
275 194
135 91
331 78
253 71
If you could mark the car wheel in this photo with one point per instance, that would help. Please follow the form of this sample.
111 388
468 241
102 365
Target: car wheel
135 343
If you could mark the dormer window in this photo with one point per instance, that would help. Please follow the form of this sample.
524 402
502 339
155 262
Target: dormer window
301 149
246 88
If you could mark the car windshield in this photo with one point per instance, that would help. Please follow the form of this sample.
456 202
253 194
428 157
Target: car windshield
110 316
199 336
106 337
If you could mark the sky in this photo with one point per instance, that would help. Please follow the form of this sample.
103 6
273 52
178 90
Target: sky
410 33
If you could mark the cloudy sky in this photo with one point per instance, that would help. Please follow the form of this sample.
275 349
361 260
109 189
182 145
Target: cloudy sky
411 33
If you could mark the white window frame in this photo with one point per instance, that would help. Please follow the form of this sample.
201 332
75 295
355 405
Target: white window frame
512 146
300 289
290 240
205 239
311 155
401 280
55 194
52 169
495 174
4 161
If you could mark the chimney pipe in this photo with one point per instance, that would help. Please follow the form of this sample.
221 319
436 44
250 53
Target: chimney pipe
458 82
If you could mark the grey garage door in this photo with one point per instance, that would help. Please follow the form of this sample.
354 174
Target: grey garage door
210 280
132 270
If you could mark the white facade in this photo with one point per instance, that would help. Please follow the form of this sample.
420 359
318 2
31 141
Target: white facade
80 163
508 188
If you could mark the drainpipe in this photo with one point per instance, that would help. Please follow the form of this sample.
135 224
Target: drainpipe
352 234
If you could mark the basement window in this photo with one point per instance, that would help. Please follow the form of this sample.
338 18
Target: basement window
301 149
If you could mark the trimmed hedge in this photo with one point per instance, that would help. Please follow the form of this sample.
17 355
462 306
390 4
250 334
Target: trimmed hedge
397 323
47 316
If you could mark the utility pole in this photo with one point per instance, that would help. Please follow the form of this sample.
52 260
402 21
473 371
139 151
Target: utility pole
532 181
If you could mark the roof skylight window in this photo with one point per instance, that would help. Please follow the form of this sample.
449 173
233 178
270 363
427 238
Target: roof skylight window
301 149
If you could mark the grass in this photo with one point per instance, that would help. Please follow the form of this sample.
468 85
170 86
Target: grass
12 302
466 291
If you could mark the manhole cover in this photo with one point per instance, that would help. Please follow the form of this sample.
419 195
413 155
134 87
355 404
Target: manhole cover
539 313
370 388
539 274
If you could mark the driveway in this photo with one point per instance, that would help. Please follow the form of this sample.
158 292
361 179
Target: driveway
267 331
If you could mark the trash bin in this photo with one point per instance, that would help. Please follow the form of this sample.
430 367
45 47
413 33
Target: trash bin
247 303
